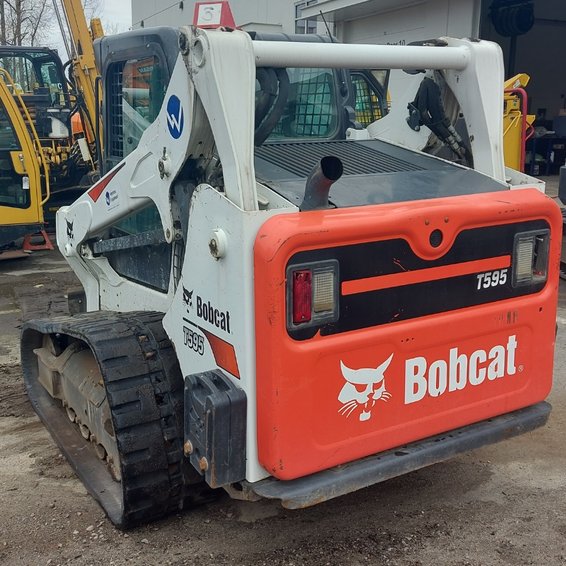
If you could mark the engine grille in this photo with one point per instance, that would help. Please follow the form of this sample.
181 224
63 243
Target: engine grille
357 159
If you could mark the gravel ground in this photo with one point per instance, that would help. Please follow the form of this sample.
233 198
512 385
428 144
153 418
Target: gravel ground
503 504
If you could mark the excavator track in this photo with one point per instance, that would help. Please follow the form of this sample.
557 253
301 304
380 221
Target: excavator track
138 379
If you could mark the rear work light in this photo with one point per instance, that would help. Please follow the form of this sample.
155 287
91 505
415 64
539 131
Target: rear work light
530 257
312 294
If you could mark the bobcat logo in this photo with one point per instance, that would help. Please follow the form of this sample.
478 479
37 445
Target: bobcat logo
187 297
70 234
362 389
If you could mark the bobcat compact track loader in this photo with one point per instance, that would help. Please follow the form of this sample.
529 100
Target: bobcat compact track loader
281 302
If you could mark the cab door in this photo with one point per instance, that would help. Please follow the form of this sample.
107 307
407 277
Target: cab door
21 203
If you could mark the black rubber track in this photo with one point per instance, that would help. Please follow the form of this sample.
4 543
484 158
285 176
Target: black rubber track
144 388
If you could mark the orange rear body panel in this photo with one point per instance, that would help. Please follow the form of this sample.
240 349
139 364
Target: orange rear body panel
339 396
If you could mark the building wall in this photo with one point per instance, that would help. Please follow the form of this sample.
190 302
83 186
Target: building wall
260 15
542 58
431 19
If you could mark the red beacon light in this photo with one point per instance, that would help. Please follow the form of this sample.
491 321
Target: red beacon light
211 15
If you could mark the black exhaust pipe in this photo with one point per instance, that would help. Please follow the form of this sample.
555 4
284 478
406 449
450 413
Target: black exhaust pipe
318 184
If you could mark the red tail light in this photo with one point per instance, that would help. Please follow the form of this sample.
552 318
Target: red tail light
302 296
312 294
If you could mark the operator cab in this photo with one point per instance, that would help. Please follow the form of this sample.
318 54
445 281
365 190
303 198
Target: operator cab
35 76
302 116
291 104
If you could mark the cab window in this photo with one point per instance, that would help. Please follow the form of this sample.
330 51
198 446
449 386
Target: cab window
370 101
136 91
22 72
14 188
36 73
311 110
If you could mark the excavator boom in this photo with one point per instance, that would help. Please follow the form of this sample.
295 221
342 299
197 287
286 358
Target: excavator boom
83 61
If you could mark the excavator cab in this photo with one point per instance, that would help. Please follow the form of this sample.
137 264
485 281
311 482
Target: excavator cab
35 136
22 187
39 83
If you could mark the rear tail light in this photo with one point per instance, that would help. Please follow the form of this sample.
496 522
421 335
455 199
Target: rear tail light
530 257
312 294
302 296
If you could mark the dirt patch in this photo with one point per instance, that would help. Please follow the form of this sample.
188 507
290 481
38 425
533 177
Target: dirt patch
14 401
52 466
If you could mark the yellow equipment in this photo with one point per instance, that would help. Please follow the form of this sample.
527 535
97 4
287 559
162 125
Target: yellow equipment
83 73
48 127
34 104
516 122
21 194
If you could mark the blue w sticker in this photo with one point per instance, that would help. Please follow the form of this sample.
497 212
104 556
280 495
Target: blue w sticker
175 117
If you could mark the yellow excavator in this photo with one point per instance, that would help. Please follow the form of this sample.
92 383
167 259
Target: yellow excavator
48 126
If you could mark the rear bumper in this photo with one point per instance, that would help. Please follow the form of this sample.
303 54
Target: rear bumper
346 478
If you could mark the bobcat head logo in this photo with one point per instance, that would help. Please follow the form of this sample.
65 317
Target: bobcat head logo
70 234
187 297
362 389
